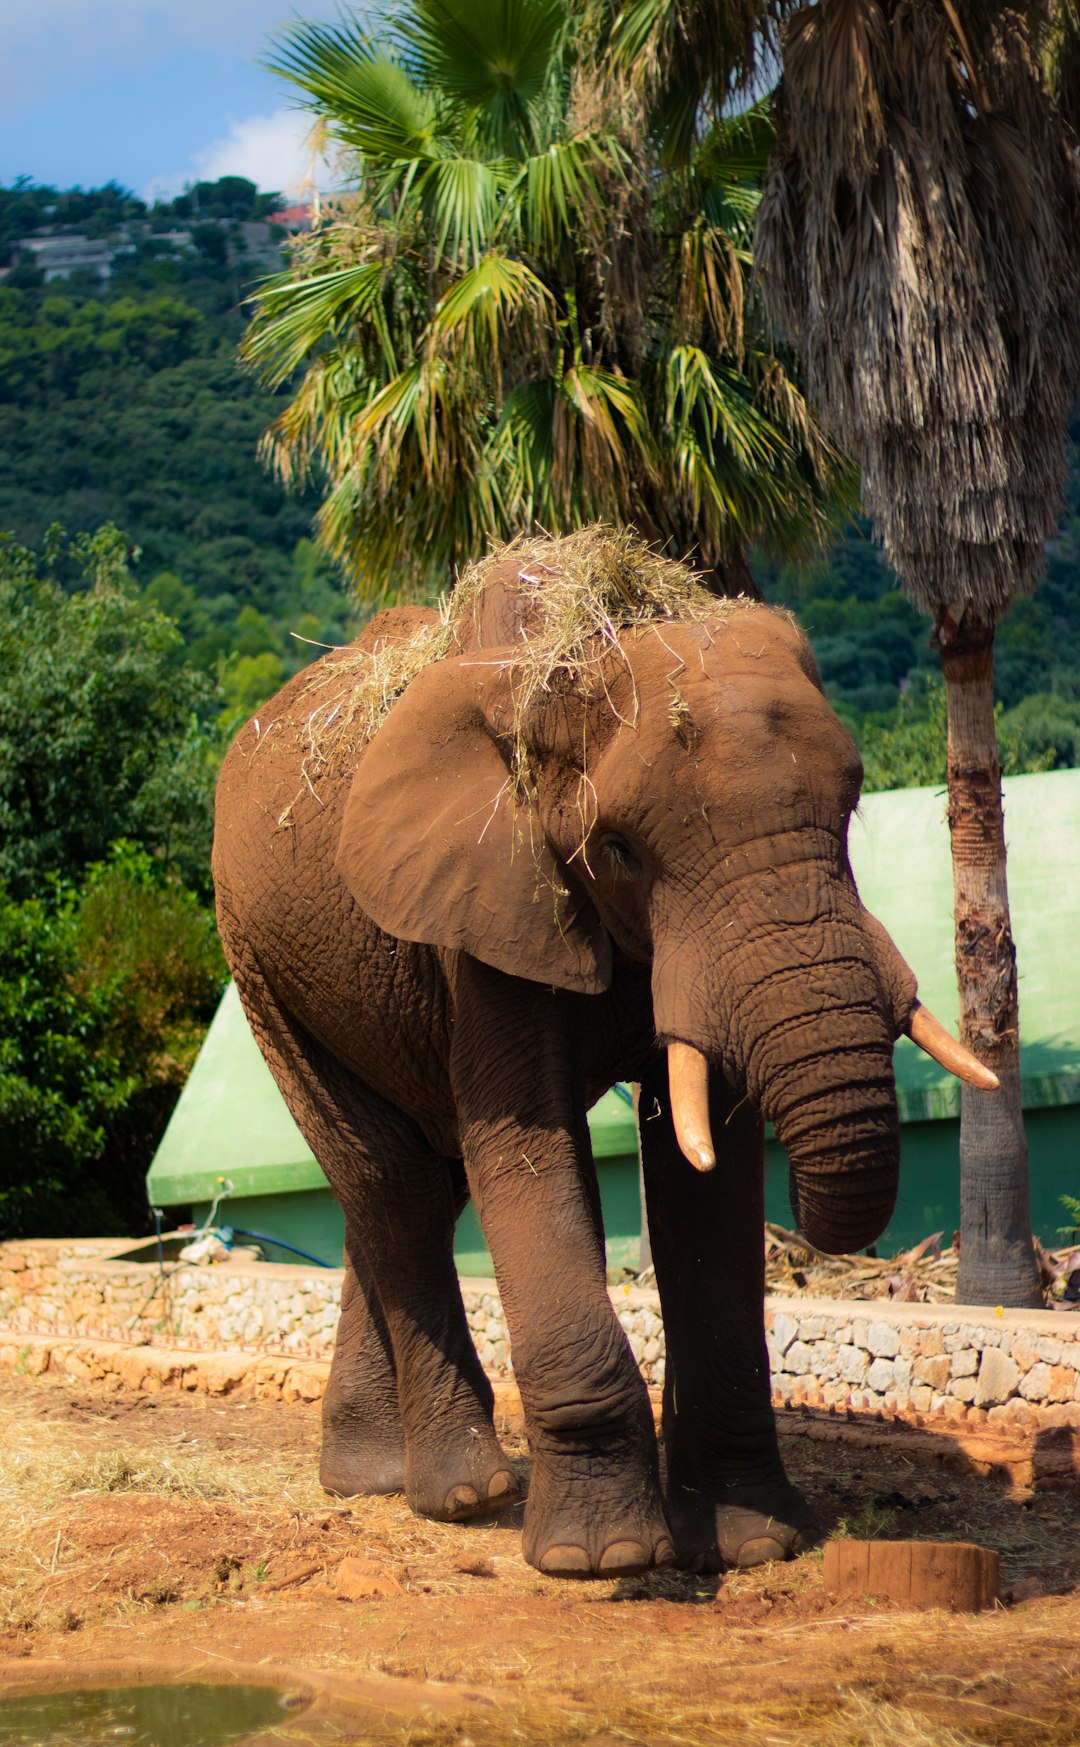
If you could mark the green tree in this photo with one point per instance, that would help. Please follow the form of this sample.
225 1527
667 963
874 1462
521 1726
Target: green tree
59 343
105 730
211 240
246 682
519 316
1050 725
909 747
56 1090
105 992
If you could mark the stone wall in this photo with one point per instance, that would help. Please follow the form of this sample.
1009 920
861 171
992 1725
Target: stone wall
925 1365
76 1290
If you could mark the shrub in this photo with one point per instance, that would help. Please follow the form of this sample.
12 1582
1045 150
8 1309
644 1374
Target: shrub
105 992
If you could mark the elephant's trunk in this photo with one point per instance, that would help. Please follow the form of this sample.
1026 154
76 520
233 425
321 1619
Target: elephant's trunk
822 1073
810 1034
843 1146
811 1040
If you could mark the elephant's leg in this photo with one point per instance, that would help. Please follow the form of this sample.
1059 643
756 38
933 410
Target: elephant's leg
399 1202
729 1499
594 1505
363 1440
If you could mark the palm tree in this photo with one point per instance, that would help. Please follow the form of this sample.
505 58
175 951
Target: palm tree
919 237
516 316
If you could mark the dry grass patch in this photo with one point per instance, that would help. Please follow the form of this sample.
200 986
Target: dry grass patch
42 1478
136 1524
850 1719
52 1495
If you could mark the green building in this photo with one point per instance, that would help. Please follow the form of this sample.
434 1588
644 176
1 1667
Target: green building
231 1131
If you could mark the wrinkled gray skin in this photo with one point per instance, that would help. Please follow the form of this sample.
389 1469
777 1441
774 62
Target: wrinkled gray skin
442 985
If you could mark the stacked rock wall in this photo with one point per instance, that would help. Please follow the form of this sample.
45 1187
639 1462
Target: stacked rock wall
922 1364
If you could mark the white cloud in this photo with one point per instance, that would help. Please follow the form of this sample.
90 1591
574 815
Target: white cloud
273 151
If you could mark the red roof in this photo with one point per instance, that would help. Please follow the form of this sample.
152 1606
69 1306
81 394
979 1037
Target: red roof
290 215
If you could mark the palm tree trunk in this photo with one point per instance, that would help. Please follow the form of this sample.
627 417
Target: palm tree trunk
997 1261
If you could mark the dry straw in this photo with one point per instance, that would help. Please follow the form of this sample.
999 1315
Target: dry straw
583 590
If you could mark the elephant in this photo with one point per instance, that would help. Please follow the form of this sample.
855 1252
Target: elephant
546 868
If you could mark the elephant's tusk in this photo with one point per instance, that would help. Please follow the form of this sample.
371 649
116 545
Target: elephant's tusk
931 1035
688 1078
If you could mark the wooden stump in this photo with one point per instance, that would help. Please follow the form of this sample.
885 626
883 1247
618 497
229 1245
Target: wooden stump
949 1574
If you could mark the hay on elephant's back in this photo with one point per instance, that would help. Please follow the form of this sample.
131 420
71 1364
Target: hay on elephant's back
353 691
585 589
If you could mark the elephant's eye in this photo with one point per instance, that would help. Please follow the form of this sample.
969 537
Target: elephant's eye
618 855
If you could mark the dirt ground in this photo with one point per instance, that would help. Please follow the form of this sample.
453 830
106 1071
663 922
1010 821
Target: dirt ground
133 1525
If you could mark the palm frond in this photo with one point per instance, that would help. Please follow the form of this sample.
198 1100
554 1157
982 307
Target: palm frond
369 100
493 56
461 197
520 458
295 316
497 298
611 405
737 148
314 426
686 57
715 405
601 441
710 296
562 187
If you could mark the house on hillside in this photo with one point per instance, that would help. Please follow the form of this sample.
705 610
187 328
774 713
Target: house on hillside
59 256
292 219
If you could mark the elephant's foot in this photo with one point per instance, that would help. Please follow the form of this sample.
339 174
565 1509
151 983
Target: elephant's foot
746 1522
360 1459
598 1529
460 1475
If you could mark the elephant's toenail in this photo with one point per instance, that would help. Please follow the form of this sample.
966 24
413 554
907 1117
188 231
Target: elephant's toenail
501 1484
624 1558
565 1562
462 1498
760 1550
663 1554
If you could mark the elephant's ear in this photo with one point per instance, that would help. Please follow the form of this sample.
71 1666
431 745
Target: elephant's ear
435 847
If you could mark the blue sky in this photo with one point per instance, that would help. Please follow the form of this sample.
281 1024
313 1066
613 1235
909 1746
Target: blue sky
153 93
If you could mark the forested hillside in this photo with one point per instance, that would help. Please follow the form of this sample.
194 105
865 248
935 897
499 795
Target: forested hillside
129 657
123 402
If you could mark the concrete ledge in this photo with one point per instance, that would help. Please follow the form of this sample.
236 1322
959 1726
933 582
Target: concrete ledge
81 1291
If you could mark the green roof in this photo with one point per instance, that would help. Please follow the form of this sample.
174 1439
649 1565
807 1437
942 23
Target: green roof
231 1122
